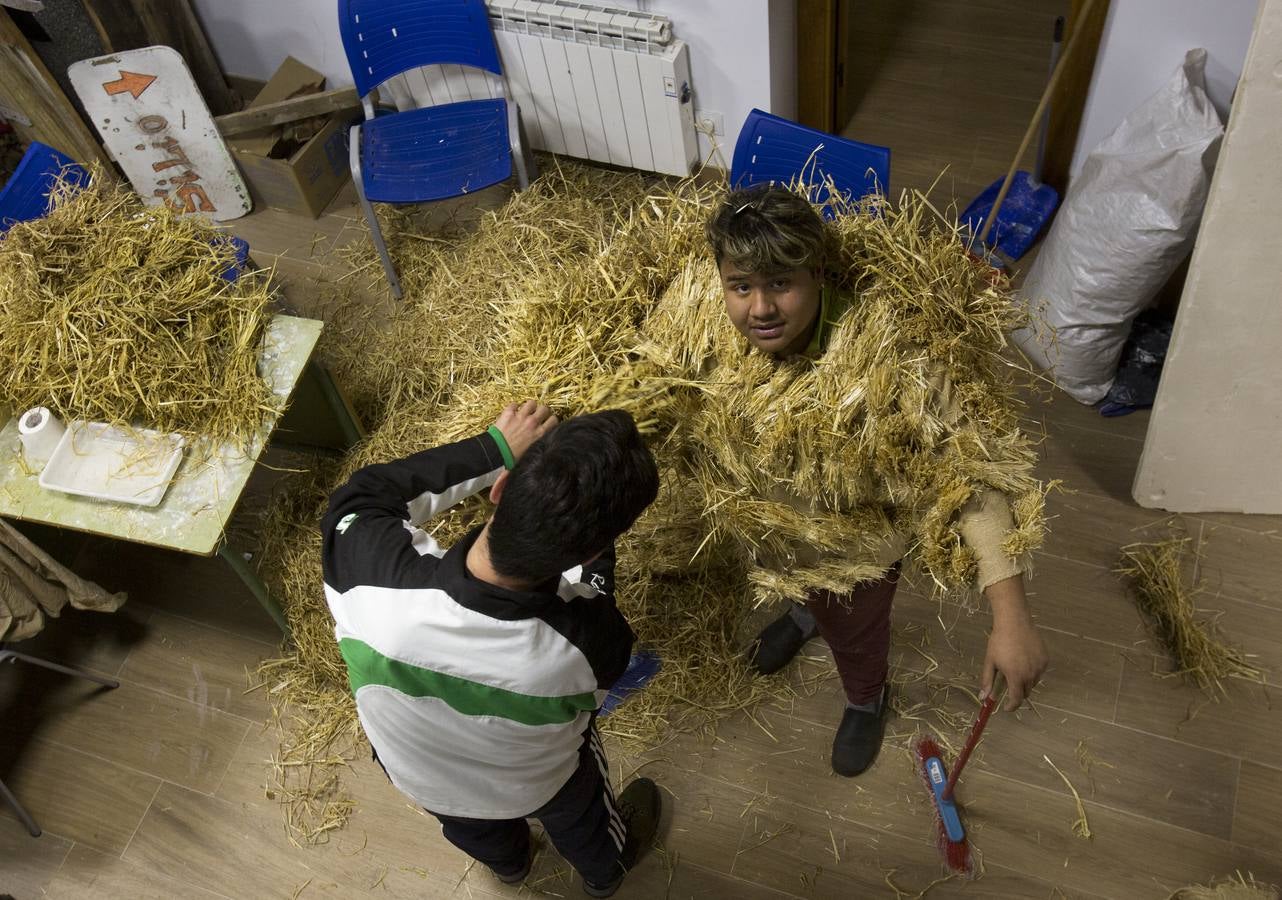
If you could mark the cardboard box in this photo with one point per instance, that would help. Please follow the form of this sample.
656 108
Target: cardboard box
291 79
309 177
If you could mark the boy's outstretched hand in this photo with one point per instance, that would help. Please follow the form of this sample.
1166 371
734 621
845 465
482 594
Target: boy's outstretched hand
1015 649
524 424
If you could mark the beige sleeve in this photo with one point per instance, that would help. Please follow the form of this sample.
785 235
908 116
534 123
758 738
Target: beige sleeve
983 523
986 517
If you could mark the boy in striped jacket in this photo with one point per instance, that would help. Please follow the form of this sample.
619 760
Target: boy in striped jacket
478 669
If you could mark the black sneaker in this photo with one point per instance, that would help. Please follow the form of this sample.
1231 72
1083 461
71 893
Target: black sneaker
518 877
859 738
639 805
777 644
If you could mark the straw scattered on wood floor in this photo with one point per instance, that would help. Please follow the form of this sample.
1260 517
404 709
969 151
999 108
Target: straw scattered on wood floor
595 289
1236 887
115 312
1081 827
1155 572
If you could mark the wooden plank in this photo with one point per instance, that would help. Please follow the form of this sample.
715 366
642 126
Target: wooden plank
131 24
1255 822
27 86
289 110
29 864
1069 99
211 843
1029 829
138 729
117 26
88 873
845 98
207 665
80 796
817 64
1245 723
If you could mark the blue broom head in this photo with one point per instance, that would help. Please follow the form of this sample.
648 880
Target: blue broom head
938 779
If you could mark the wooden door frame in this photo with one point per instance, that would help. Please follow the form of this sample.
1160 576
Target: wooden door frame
1069 100
817 63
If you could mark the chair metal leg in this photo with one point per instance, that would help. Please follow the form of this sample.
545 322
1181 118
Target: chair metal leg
375 232
23 816
376 235
6 655
522 158
249 576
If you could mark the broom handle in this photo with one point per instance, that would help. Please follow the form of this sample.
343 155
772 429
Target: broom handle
986 710
1037 117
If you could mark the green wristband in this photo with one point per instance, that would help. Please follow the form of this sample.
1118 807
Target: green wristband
509 461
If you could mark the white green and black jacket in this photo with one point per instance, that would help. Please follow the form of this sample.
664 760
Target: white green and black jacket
477 699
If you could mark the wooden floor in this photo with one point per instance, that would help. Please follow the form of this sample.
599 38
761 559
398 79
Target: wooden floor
157 789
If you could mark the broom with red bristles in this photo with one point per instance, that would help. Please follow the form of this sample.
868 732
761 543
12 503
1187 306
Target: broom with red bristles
930 759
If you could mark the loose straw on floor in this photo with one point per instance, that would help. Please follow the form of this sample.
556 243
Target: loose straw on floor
1156 574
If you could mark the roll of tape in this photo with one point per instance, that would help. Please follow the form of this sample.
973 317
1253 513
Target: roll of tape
40 432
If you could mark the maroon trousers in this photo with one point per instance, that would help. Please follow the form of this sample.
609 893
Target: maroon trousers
856 626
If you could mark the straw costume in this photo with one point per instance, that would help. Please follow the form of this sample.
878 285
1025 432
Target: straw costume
883 432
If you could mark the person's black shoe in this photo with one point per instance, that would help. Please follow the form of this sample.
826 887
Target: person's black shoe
777 644
518 877
639 805
859 738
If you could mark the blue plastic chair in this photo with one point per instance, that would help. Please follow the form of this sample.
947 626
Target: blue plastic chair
25 195
771 149
432 152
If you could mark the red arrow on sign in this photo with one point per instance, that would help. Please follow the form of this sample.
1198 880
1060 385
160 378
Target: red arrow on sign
133 82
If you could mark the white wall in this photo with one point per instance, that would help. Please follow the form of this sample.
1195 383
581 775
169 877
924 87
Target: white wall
742 52
1145 41
252 37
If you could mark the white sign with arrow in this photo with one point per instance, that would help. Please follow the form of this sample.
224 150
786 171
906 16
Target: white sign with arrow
154 121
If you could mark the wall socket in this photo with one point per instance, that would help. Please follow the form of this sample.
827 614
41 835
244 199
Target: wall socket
707 120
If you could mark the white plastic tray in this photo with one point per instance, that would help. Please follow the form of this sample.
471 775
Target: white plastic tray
107 463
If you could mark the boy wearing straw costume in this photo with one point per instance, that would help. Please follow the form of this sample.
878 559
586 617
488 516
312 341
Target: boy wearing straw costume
769 246
478 670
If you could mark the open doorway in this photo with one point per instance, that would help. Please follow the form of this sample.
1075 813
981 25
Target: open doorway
949 86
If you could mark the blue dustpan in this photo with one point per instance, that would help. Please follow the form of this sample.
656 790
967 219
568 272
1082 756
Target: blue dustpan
1024 213
643 666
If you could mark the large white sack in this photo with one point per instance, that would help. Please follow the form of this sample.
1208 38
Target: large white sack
1128 220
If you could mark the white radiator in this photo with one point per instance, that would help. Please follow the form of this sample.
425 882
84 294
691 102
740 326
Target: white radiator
595 82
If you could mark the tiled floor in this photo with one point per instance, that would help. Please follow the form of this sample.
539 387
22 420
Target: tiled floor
158 789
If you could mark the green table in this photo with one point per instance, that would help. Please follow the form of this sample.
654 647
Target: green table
194 513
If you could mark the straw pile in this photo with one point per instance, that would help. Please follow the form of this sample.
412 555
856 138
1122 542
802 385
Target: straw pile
594 289
115 312
1155 571
1238 887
